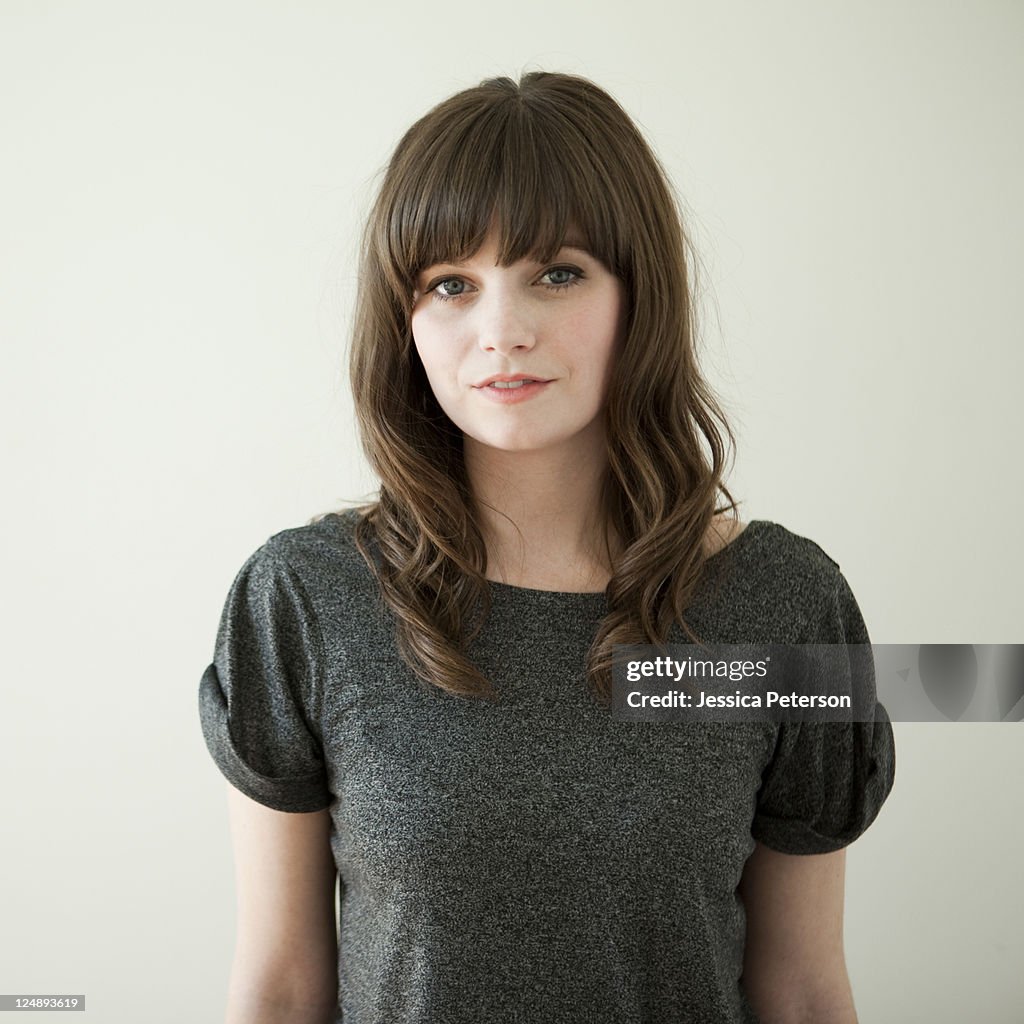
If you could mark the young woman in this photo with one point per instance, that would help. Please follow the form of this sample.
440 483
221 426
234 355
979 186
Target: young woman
410 698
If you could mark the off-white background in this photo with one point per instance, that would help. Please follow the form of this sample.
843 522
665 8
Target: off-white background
182 187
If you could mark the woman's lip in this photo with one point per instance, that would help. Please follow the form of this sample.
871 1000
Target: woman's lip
506 396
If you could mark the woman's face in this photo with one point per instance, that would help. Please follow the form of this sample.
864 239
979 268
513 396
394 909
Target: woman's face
558 323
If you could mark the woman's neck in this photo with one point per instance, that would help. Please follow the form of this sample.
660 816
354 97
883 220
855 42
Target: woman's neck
542 516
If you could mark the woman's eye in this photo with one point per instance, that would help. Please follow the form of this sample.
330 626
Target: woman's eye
447 281
451 288
561 270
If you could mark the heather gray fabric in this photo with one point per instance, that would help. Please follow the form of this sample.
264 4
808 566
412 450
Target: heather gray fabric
532 860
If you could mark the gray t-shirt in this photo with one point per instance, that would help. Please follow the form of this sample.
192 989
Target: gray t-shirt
532 860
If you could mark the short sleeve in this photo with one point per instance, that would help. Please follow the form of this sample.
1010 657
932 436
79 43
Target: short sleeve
827 781
259 699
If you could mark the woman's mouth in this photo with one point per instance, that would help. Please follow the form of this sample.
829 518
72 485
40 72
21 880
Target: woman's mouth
510 391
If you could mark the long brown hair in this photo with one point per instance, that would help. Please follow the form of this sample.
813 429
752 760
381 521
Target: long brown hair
536 157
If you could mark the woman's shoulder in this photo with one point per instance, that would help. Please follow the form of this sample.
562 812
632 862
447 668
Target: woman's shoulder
323 553
771 576
770 545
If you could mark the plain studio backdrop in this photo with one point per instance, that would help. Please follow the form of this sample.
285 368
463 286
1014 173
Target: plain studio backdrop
182 191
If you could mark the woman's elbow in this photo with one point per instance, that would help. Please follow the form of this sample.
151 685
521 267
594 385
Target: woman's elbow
825 999
267 1005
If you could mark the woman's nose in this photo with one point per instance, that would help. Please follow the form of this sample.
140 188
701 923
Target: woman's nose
503 324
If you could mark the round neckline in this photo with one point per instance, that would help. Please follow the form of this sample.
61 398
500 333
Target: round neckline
512 589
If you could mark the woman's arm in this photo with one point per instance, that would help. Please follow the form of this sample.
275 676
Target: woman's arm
286 949
794 967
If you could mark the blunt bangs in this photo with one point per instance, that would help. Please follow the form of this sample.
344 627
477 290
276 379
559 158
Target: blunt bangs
526 168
